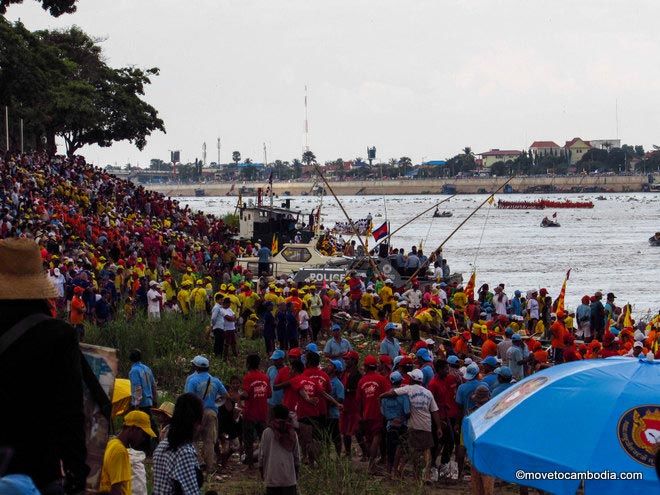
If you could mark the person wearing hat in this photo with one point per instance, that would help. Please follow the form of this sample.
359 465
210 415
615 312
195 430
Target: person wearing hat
334 370
45 355
116 473
636 350
583 316
277 358
489 365
559 337
143 385
503 346
183 297
443 386
612 311
78 308
480 482
390 346
337 346
350 415
423 415
504 380
315 303
255 393
425 364
597 316
209 389
396 411
386 295
516 357
533 311
154 301
163 416
369 389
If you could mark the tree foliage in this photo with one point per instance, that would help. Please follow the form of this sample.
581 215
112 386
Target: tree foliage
55 7
59 83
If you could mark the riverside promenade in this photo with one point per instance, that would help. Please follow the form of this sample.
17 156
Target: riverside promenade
472 185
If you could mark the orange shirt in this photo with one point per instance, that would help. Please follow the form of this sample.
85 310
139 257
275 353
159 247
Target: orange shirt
77 315
541 356
559 332
488 348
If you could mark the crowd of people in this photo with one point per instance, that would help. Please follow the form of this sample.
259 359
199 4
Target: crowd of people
112 249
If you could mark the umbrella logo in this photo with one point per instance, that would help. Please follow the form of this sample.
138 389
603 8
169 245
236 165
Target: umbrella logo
514 396
639 433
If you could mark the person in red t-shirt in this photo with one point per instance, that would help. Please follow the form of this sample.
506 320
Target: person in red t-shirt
370 387
443 386
349 416
255 394
355 292
559 335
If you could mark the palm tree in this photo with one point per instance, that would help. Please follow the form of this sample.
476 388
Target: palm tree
393 162
297 168
247 160
308 157
404 163
236 157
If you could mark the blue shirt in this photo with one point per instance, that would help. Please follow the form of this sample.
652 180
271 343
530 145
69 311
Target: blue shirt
464 394
334 348
499 388
428 372
516 306
276 395
337 391
491 380
390 347
264 254
395 408
142 385
197 384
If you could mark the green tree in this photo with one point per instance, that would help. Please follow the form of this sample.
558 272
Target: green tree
55 7
308 157
404 164
297 169
236 157
247 160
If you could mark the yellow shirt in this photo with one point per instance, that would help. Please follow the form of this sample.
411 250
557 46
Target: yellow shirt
460 300
366 301
198 297
184 300
274 298
385 295
168 289
399 315
235 303
116 468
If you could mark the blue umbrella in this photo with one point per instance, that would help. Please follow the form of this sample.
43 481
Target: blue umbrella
597 415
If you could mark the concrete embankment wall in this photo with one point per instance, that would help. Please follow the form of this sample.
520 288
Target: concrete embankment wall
626 183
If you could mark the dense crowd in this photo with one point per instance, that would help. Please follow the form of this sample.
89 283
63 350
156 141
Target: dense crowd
112 249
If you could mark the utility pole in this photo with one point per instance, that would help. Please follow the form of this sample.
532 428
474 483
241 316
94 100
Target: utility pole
204 154
218 152
265 156
7 126
306 123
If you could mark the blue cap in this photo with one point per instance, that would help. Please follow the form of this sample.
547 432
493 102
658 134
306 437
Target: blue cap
453 359
504 371
395 377
17 484
508 331
278 354
336 328
517 293
312 347
615 331
423 354
390 326
471 371
200 362
443 284
516 337
339 366
490 361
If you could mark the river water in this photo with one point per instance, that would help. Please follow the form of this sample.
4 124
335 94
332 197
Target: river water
606 247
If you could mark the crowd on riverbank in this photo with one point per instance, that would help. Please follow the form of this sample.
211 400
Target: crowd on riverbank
112 250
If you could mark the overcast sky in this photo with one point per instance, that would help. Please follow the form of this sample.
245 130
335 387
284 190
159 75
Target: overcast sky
421 78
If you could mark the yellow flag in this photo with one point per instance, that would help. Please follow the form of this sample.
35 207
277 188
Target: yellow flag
491 200
627 317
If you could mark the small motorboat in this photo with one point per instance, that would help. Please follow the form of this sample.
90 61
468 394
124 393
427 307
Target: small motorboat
546 222
444 214
654 240
601 198
200 192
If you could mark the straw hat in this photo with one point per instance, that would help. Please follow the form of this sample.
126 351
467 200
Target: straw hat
166 408
21 271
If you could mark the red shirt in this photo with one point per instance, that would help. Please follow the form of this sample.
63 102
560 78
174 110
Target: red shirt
291 397
322 381
370 388
306 409
257 387
355 288
444 393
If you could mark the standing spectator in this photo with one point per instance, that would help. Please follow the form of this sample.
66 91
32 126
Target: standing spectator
481 483
270 327
208 388
218 325
315 308
370 387
515 357
396 411
255 395
389 345
597 316
349 418
443 386
303 323
175 461
116 474
264 255
50 450
229 326
334 370
154 301
77 313
277 357
143 385
337 346
583 316
533 312
279 455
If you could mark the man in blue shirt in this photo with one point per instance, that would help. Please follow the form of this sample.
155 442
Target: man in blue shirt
143 385
264 260
336 347
396 411
425 363
489 365
208 388
465 390
337 392
278 362
390 346
504 377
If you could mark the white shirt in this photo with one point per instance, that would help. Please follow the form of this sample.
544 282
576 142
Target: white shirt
533 308
228 325
500 306
422 404
303 320
58 282
414 298
217 317
153 306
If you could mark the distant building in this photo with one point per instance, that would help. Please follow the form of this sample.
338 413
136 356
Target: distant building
540 149
603 144
575 149
495 155
434 163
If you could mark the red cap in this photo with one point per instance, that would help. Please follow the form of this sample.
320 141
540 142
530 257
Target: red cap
295 353
352 355
543 292
405 361
420 344
385 359
466 335
370 360
78 290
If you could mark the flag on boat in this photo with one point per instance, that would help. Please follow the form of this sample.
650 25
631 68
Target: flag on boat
562 293
275 245
469 288
382 231
491 200
627 316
